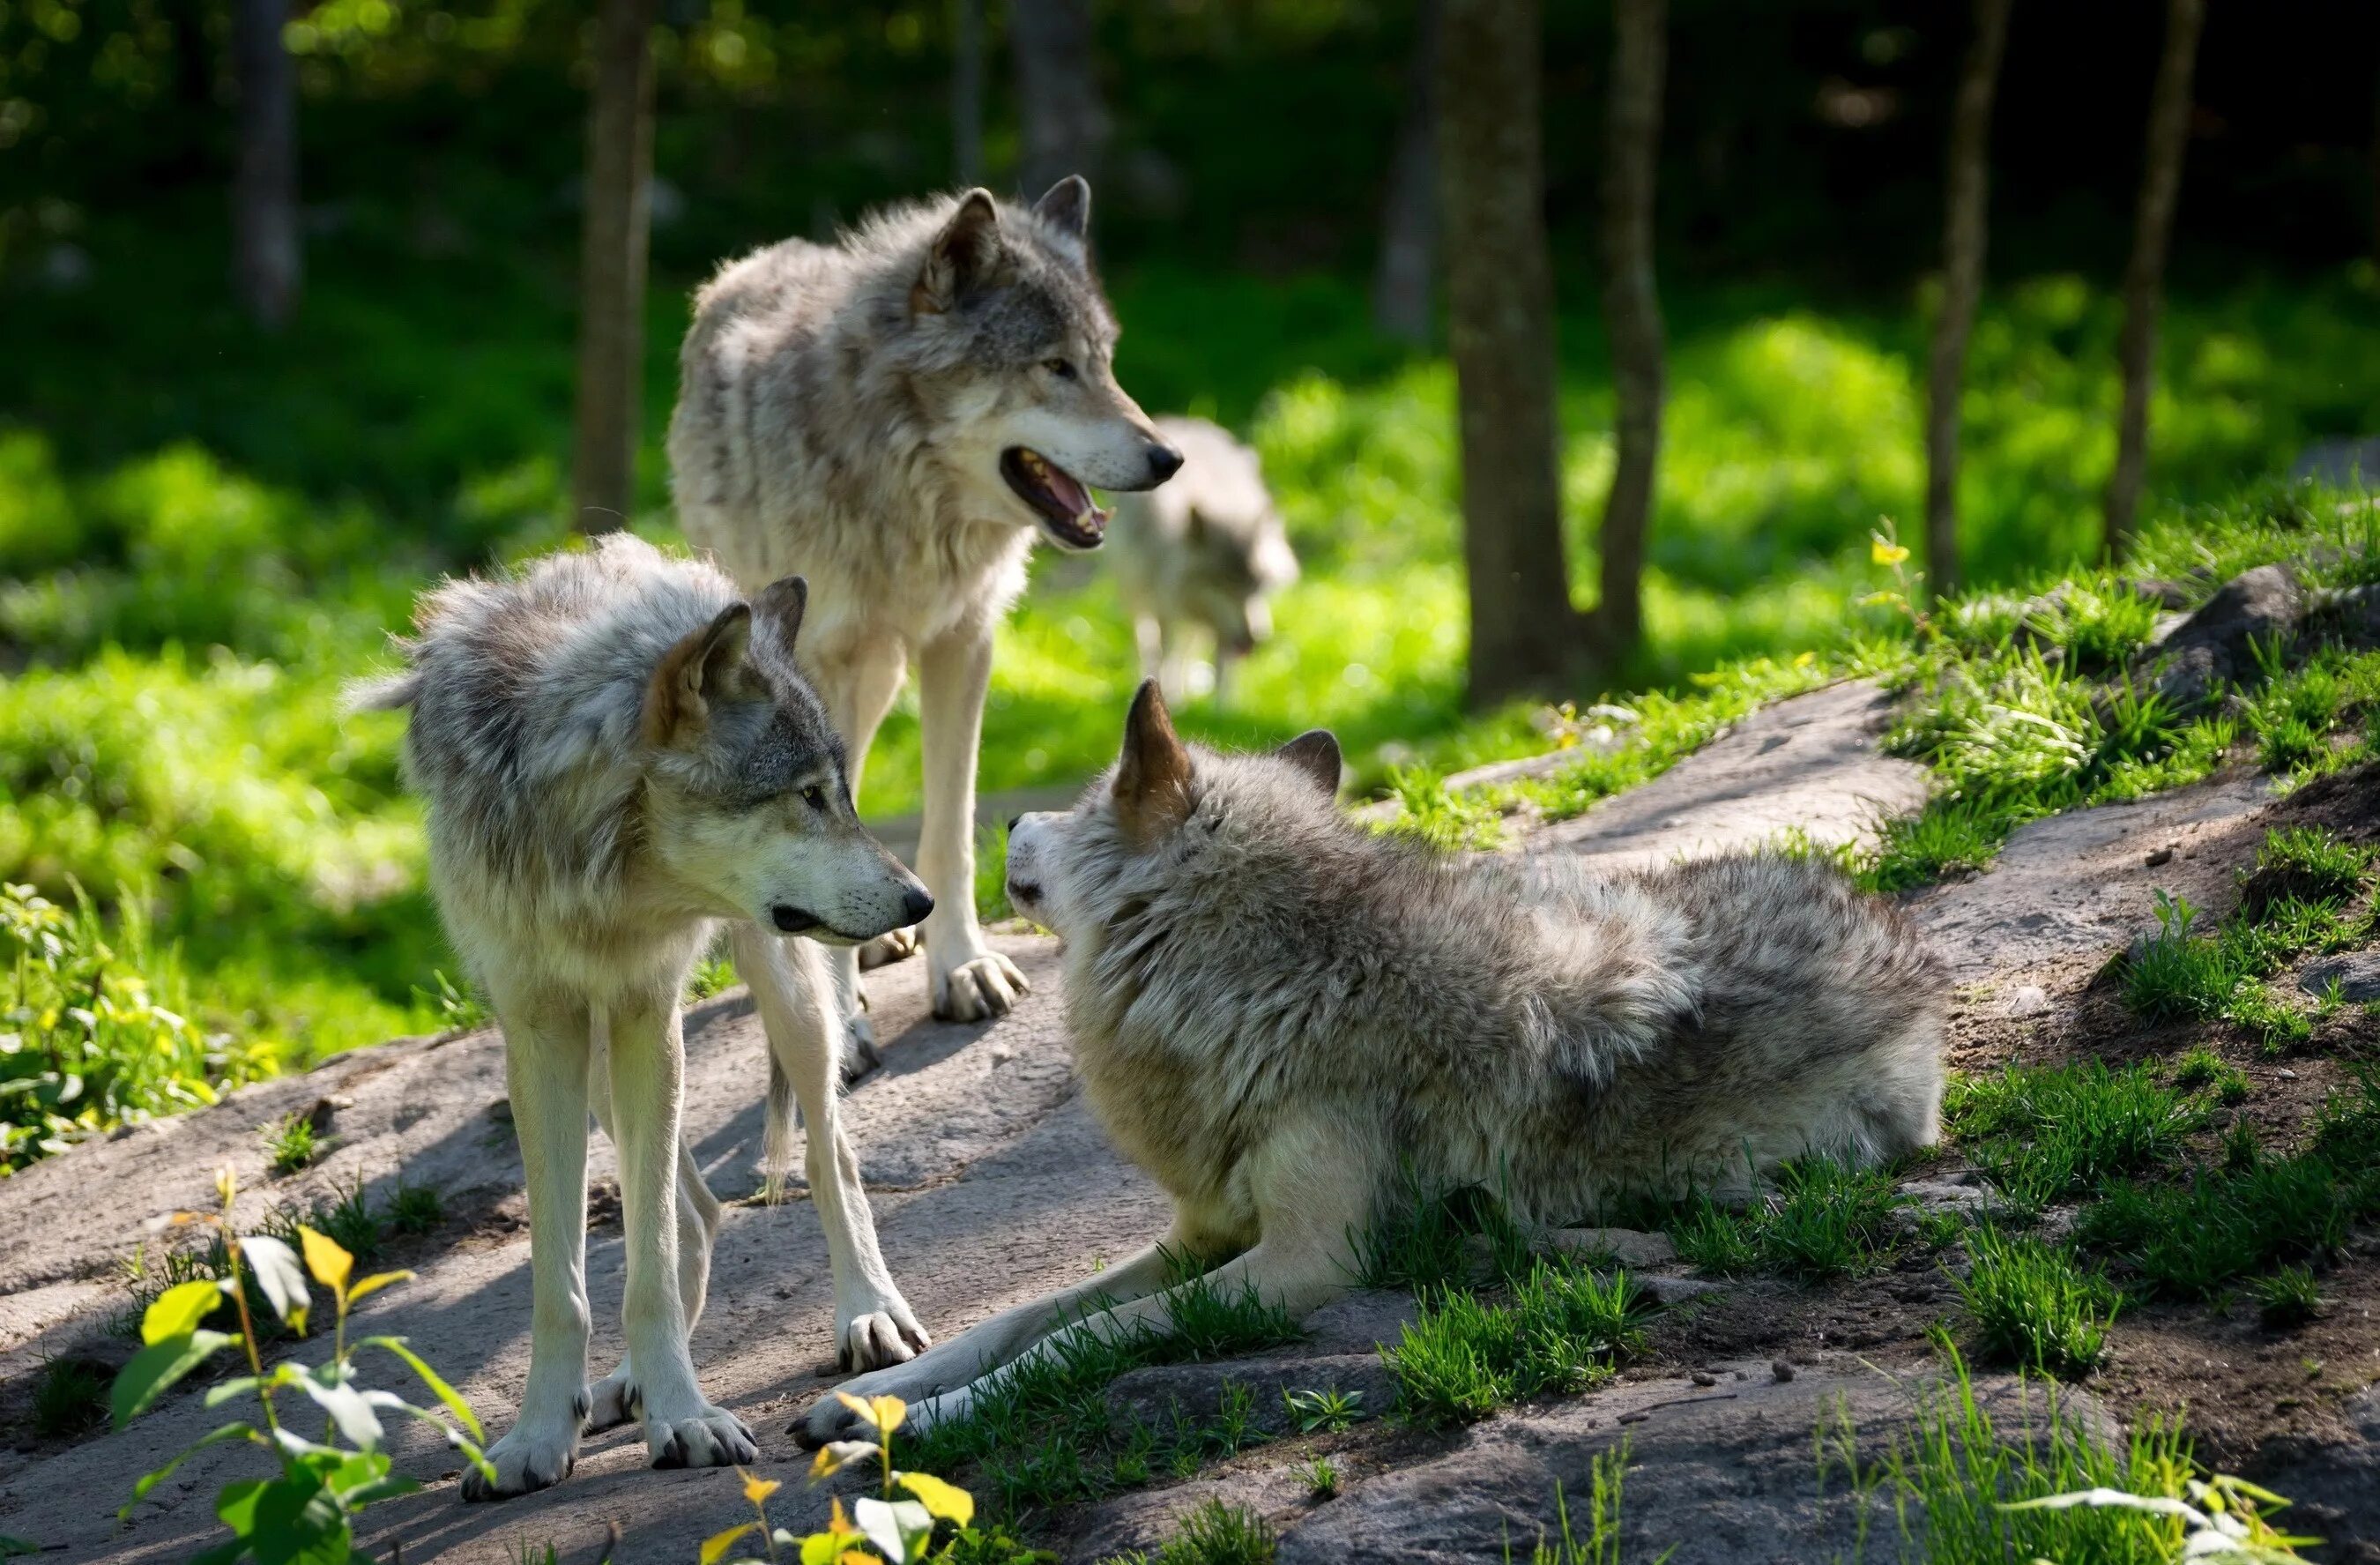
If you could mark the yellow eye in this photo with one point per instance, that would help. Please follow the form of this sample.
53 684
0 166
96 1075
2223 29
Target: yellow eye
815 796
1062 368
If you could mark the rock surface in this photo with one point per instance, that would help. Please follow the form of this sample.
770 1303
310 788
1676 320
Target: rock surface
2214 645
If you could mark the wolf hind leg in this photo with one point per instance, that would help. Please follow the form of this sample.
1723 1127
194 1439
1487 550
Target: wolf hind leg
858 688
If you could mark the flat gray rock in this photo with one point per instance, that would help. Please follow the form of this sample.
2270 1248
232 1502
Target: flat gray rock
2357 977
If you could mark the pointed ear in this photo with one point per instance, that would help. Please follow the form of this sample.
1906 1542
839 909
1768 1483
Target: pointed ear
704 667
1066 207
961 257
1152 780
1314 753
779 607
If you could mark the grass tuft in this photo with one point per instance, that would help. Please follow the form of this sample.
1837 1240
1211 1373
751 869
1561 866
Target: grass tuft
1561 1329
1606 1474
2288 1298
2035 1307
290 1143
1214 1533
2049 1133
70 1397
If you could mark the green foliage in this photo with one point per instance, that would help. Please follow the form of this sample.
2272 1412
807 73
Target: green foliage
1321 1476
1326 1411
2035 1307
94 1030
290 1143
1428 814
1213 1534
1561 1328
1824 1219
2049 1133
70 1397
1606 1474
2288 1298
991 874
713 974
912 1518
2201 1069
1422 1237
414 1209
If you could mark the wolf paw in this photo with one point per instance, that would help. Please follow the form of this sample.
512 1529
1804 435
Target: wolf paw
613 1401
860 1055
979 988
879 1337
708 1436
886 949
536 1455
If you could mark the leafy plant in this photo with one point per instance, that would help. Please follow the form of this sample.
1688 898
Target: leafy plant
1428 811
2221 1519
290 1143
1323 1412
309 1511
457 1010
1321 1476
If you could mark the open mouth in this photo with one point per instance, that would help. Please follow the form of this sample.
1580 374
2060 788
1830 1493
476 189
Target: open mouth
1057 497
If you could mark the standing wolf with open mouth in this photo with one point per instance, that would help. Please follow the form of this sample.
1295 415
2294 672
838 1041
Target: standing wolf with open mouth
895 416
619 755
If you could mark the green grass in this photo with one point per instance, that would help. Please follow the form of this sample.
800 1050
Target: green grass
1607 1475
290 1143
2035 1307
2288 1298
1214 1533
70 1397
1559 1328
1321 1476
1823 1220
2201 1069
2043 1134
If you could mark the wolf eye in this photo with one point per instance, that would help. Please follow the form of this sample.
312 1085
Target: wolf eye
1062 368
815 796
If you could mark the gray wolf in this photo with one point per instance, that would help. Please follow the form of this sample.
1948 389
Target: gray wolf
618 755
1288 1023
1201 559
898 416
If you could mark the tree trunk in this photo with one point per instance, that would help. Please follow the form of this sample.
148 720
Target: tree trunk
267 260
966 93
612 266
1058 92
1408 265
2169 135
1966 186
1632 313
1501 321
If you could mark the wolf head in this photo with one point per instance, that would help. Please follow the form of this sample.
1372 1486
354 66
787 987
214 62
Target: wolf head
1011 336
747 801
1238 560
1167 815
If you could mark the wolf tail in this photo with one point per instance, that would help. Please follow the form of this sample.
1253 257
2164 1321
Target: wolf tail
777 1141
386 693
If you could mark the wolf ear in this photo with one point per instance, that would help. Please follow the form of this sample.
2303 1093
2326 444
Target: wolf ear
1066 207
1152 780
779 606
703 668
1314 753
961 257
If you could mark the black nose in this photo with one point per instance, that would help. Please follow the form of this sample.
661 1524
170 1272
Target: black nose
791 919
1164 462
916 904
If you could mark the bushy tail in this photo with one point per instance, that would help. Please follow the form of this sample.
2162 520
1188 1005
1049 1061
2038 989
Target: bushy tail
777 1141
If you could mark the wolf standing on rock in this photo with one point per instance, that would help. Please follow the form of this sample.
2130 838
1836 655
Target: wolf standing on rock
895 416
619 754
1286 1020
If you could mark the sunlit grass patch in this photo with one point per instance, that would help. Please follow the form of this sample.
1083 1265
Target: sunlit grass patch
1561 1328
2034 1306
2049 1133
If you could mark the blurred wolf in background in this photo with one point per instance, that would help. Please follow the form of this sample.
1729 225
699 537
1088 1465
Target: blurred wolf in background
896 416
1291 1024
1201 559
619 754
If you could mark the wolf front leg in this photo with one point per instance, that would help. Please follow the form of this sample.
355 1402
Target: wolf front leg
545 1068
614 1399
858 685
970 980
648 1084
873 1325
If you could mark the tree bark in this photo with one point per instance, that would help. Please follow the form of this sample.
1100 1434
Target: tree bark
267 255
612 266
1500 320
1408 264
1632 313
1966 186
2169 135
1065 119
966 93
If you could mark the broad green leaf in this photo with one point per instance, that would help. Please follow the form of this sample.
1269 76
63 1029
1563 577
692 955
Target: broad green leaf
149 1481
716 1546
821 1548
347 1408
236 1504
375 1282
327 1259
279 1277
445 1393
154 1369
299 1522
179 1310
378 1490
898 1528
940 1499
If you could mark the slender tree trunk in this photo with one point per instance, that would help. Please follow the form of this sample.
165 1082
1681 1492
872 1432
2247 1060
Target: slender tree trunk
612 265
2169 135
268 263
1966 185
966 93
1408 266
1500 320
1632 313
1058 90
2374 156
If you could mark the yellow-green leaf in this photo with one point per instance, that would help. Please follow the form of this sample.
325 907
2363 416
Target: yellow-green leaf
757 1489
715 1547
326 1258
179 1310
1883 551
884 1413
375 1282
947 1501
